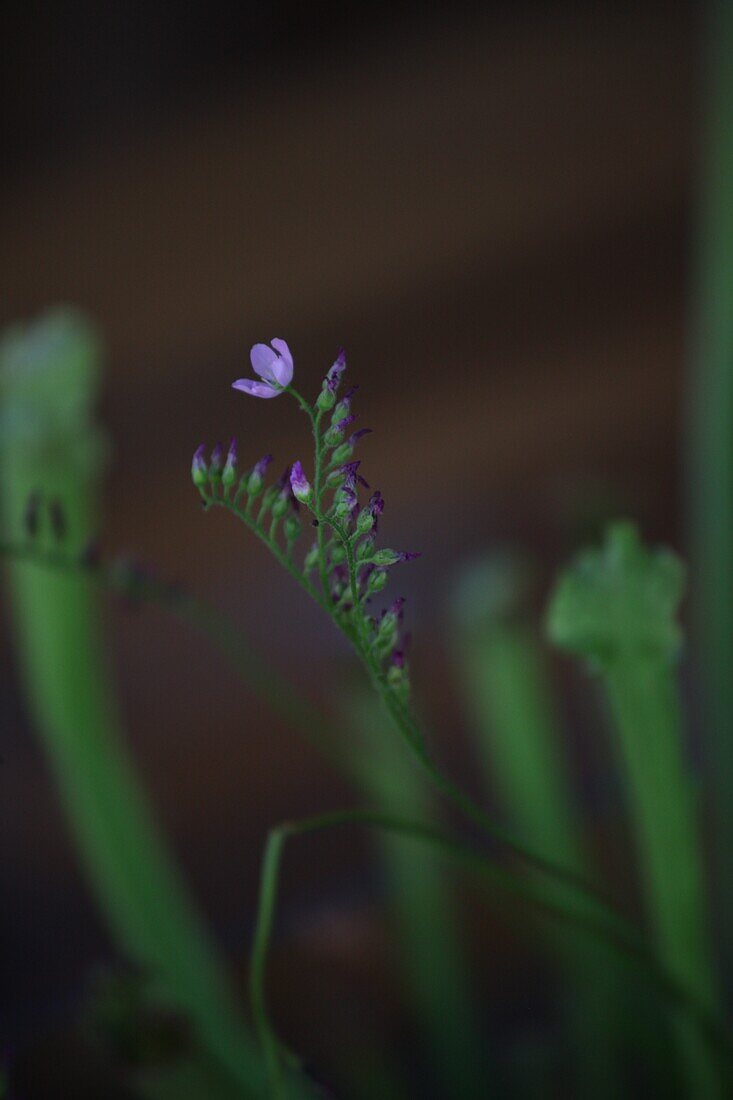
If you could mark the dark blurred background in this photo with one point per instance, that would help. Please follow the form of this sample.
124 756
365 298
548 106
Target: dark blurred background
489 206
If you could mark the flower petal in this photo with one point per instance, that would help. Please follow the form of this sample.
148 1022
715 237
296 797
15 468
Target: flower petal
255 389
282 367
263 360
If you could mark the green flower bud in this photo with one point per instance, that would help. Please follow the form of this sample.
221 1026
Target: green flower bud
342 454
292 527
365 521
326 399
386 557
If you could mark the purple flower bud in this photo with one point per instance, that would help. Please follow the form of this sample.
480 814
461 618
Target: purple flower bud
230 467
260 468
342 425
300 484
398 659
349 469
396 608
376 504
354 439
257 475
333 377
199 472
217 460
409 555
350 393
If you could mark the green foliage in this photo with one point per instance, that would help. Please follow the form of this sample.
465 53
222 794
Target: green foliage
619 601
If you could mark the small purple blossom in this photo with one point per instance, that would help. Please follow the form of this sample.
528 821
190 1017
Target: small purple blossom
398 658
342 425
376 504
409 555
349 469
333 377
300 485
354 439
273 364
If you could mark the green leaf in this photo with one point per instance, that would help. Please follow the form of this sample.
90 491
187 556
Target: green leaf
619 601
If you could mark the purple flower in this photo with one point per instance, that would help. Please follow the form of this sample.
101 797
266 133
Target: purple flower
343 424
273 364
354 439
336 370
376 504
349 469
300 484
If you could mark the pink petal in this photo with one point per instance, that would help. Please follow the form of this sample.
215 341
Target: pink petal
263 360
255 389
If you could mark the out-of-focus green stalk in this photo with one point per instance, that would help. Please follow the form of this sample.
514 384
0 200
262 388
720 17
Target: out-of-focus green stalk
711 454
519 743
617 607
645 704
435 963
51 450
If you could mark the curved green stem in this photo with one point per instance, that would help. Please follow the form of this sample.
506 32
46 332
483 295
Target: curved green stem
632 946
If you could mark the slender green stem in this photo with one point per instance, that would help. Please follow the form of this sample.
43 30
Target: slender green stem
315 422
631 946
263 933
711 456
646 708
257 673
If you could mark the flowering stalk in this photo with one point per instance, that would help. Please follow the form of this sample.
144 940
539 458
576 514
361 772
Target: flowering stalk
351 572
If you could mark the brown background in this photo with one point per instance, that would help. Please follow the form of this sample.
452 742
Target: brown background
490 208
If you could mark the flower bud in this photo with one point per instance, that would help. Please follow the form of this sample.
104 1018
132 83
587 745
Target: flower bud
365 522
333 436
217 461
377 581
342 454
338 554
341 411
199 472
230 467
280 506
291 527
386 557
257 476
365 549
300 485
326 399
311 558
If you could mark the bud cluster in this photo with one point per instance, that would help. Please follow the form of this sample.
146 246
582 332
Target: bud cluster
350 570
